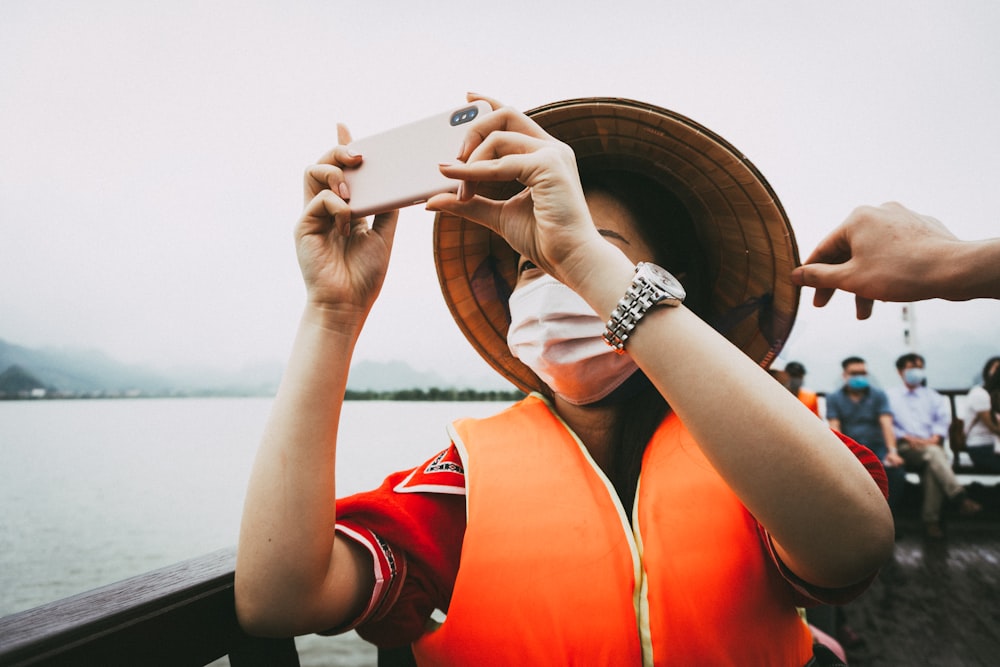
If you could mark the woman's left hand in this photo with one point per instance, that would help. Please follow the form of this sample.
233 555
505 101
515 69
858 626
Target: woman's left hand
548 222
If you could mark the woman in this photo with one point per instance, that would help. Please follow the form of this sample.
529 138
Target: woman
982 439
745 505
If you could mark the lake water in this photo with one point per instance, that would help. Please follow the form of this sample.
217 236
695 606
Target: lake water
92 492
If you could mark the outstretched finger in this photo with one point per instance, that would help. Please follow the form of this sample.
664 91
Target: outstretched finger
822 296
825 278
822 275
863 307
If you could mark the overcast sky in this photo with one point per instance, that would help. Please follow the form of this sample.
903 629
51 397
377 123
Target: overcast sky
151 154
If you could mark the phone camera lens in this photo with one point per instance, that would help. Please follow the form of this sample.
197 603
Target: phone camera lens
464 115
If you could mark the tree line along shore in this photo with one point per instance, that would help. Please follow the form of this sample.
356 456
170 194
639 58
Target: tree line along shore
433 394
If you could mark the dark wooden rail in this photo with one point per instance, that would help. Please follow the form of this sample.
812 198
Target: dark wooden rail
179 615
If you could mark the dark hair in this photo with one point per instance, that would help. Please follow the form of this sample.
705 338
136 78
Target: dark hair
991 381
851 360
668 228
795 369
909 358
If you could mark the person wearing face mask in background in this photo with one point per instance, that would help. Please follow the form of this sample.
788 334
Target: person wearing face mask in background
655 499
796 373
920 420
862 412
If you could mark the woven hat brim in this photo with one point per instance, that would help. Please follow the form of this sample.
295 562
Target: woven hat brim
749 246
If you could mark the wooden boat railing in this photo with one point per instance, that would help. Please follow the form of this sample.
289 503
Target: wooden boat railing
182 614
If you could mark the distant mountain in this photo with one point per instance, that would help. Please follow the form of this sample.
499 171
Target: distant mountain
259 379
80 371
15 381
89 372
391 375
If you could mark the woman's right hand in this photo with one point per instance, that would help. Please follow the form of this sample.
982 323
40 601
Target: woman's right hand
343 261
548 222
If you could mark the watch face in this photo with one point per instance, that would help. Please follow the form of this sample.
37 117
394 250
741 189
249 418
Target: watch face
665 281
663 275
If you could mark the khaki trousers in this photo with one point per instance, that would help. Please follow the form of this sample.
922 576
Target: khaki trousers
936 478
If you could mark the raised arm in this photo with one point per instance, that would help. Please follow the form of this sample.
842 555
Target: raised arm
828 518
292 575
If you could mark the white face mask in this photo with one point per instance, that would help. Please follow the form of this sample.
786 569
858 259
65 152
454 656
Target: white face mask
555 333
914 376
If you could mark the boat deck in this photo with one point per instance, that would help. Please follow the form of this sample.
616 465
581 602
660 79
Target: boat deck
937 602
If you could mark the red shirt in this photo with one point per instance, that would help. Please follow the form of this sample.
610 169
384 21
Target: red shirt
413 526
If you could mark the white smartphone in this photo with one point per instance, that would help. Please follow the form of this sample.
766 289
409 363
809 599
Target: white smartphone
400 166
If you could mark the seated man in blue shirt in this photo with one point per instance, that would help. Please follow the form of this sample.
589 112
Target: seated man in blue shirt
862 412
921 418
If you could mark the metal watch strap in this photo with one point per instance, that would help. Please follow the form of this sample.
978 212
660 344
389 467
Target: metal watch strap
640 296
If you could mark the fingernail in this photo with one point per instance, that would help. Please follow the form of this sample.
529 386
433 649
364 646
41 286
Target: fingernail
461 190
351 153
345 194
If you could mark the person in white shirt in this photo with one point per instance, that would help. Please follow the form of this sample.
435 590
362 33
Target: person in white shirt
921 419
982 430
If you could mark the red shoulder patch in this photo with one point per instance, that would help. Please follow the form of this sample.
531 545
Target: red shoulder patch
444 473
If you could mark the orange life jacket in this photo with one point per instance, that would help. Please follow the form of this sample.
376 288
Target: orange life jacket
552 573
810 400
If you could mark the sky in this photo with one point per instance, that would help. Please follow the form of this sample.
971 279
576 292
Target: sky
151 154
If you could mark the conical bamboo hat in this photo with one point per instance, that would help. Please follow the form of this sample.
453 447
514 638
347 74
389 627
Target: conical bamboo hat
748 243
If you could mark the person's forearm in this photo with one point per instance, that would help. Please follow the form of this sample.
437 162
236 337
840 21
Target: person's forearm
791 472
968 270
787 467
287 532
990 420
889 432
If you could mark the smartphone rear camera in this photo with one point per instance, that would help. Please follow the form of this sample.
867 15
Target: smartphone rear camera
464 115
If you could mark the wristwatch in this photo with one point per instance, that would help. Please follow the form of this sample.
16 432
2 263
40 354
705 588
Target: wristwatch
651 285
